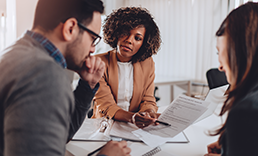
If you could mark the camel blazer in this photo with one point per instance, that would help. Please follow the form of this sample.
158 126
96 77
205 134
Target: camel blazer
105 100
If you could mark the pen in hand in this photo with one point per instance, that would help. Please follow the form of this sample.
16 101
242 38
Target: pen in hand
163 123
98 149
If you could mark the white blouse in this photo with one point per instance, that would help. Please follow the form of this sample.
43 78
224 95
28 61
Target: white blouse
125 84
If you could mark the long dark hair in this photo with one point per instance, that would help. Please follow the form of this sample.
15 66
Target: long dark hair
241 30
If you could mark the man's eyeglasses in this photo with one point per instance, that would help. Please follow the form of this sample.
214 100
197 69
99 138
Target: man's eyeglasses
97 37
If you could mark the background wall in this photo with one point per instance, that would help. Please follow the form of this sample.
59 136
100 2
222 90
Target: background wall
24 14
16 17
2 6
2 23
187 29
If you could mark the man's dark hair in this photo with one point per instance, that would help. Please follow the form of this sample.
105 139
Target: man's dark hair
49 13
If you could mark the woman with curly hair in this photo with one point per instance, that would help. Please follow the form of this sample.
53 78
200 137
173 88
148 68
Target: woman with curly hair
126 91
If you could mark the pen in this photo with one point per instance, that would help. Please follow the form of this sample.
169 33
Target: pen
164 123
98 149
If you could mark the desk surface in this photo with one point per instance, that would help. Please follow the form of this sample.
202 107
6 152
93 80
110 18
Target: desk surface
196 133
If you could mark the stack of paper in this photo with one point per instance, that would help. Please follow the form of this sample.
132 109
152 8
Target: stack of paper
125 131
180 114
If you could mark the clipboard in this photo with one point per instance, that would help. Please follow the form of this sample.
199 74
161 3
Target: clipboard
95 130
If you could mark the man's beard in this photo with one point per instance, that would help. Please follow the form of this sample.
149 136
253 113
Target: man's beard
71 61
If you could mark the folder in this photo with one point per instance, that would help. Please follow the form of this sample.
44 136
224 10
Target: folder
103 130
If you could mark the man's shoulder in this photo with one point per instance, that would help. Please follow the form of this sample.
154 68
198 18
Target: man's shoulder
30 47
26 53
28 59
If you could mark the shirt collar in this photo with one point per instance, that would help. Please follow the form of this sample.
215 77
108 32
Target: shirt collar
50 47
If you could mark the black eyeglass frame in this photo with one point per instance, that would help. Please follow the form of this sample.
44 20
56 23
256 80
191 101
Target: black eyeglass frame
96 40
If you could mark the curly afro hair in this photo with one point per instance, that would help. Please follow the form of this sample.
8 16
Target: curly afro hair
123 20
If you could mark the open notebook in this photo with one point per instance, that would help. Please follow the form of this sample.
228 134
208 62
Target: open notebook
147 151
80 150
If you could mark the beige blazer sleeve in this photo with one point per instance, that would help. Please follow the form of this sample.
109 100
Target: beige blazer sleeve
143 89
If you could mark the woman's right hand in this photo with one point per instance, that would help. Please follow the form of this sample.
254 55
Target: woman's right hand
213 149
143 119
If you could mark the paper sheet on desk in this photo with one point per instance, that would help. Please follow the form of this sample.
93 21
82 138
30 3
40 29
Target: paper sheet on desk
181 113
150 139
75 150
124 130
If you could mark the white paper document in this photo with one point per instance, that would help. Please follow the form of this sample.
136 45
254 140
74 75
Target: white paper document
75 150
181 113
124 130
215 97
150 139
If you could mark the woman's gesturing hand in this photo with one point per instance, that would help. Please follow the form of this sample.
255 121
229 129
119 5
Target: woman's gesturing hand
144 119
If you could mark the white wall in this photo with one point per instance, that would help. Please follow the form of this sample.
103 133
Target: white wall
187 29
2 24
2 6
25 14
18 17
111 5
10 29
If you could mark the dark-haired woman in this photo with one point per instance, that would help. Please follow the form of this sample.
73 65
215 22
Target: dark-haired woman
127 87
237 44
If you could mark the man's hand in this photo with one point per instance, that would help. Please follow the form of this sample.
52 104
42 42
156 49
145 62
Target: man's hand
92 70
114 148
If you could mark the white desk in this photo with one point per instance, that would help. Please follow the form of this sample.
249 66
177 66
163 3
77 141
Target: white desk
198 139
195 133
